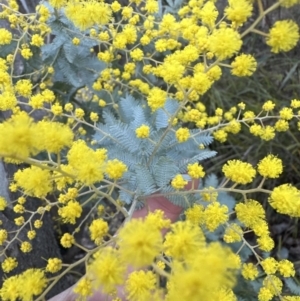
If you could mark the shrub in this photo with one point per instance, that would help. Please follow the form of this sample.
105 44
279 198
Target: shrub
108 111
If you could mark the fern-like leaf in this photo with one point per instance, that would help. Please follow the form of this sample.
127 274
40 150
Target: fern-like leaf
211 181
125 137
164 171
145 181
163 115
185 201
202 138
138 117
127 106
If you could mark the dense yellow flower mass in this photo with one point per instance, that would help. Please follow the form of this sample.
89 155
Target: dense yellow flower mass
87 165
182 134
84 287
67 240
195 214
3 203
24 87
200 277
88 13
55 135
233 233
24 286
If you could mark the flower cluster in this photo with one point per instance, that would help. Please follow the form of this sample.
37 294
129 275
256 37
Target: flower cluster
187 255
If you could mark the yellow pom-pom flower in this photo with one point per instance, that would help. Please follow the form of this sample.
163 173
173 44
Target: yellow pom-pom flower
21 137
224 43
233 233
135 238
9 264
24 87
156 98
5 36
269 265
98 230
34 181
274 284
215 215
250 213
265 243
54 136
270 167
286 268
140 285
67 240
184 240
286 113
137 54
26 247
195 171
32 282
249 271
178 182
115 169
283 36
195 214
54 265
183 134
143 131
243 65
239 172
70 212
107 270
285 199
238 11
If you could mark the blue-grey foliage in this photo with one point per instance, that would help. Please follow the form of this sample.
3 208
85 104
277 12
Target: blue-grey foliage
73 64
293 286
152 162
